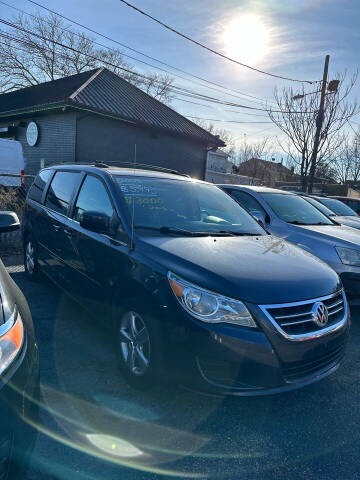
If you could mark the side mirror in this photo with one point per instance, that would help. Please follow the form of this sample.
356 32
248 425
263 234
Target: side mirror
9 222
97 222
259 216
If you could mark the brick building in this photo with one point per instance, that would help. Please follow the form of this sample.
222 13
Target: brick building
268 172
98 116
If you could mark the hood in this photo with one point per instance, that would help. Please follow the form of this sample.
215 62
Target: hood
349 221
340 235
260 270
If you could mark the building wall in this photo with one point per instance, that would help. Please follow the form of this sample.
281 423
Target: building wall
228 178
56 142
107 140
217 162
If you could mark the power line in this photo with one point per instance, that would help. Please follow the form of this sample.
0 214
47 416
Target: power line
218 120
208 48
174 88
143 54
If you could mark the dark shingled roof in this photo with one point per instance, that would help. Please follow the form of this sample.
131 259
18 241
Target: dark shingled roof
103 91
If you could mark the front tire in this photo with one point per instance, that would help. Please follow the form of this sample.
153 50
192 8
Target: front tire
139 348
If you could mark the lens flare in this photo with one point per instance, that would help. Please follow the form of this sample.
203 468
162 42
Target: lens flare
246 39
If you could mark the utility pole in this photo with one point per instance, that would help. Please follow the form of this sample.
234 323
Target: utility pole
319 124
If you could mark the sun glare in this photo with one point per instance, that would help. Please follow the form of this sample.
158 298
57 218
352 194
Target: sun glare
246 39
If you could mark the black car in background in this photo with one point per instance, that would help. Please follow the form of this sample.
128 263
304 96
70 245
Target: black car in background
19 372
191 286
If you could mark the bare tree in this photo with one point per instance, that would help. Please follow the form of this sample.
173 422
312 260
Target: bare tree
223 135
296 118
347 164
26 59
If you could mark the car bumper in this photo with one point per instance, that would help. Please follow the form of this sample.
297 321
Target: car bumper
351 283
19 393
226 359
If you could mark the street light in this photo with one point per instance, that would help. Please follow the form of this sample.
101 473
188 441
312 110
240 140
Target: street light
332 86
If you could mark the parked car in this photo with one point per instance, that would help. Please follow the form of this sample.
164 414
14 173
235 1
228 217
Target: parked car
353 203
191 286
291 217
340 212
19 372
11 163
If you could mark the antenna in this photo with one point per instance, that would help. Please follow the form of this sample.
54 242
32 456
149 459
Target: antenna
133 206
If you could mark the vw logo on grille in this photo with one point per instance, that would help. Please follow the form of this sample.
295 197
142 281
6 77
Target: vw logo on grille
319 314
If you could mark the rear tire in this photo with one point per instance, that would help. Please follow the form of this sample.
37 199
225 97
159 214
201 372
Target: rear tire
32 268
139 346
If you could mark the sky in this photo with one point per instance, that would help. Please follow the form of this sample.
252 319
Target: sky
285 37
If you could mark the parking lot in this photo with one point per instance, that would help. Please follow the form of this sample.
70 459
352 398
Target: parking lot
94 426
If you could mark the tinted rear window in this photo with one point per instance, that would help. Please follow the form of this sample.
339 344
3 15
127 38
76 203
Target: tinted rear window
37 188
61 189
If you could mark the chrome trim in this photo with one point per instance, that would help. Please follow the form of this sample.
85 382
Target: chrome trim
335 311
310 335
334 304
282 317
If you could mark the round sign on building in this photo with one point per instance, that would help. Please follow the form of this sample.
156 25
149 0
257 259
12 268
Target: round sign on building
32 134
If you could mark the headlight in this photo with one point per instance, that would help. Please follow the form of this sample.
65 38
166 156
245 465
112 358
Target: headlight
349 256
11 340
208 306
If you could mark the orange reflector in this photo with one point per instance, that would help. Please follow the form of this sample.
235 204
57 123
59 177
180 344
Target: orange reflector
177 288
15 334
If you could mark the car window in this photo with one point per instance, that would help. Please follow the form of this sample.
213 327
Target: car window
355 205
325 210
60 191
247 201
339 208
93 197
186 205
294 209
37 188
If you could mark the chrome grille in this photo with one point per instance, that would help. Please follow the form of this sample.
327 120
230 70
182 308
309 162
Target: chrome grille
295 320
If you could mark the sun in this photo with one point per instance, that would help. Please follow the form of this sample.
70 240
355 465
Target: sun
246 39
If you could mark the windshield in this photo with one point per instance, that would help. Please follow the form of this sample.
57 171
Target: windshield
294 209
339 208
184 206
325 210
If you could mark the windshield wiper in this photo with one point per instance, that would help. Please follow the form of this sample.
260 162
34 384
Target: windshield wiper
235 233
166 230
180 231
295 222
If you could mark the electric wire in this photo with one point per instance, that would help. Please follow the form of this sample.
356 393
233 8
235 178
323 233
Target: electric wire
186 37
255 98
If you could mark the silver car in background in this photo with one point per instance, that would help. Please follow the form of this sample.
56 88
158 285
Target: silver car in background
293 218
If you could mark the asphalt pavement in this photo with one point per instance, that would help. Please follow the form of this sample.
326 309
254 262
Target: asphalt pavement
93 426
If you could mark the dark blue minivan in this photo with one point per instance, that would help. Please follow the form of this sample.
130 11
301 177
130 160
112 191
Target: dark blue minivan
191 285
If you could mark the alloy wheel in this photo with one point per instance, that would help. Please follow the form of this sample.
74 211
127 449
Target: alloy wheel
134 343
30 258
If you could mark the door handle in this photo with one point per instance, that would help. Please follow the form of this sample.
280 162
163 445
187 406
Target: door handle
68 232
57 228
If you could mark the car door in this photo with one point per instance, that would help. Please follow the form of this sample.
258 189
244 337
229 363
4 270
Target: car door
34 216
53 225
99 260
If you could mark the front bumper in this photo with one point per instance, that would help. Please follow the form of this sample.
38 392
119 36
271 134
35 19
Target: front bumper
227 359
19 394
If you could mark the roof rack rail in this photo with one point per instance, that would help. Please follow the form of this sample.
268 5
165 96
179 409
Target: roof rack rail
146 166
101 165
